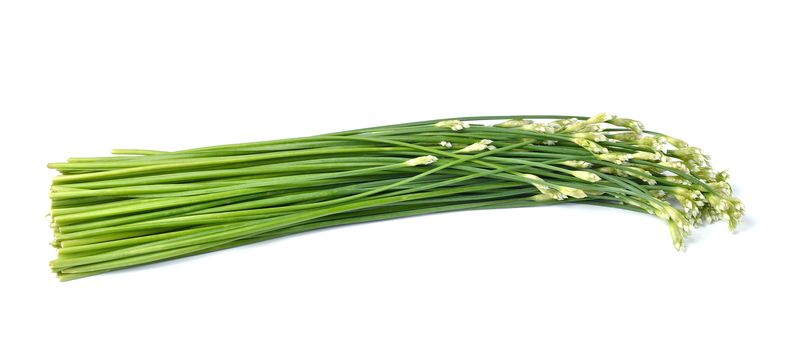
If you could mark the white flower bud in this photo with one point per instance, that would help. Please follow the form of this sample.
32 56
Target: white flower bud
630 124
423 160
582 126
615 157
612 171
660 194
453 124
564 122
590 145
581 164
600 118
647 156
543 187
445 144
592 136
572 192
655 143
645 179
546 128
675 142
543 197
586 175
722 176
626 136
478 146
676 165
677 236
513 123
677 180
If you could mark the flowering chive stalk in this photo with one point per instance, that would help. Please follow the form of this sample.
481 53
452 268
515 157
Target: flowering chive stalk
142 206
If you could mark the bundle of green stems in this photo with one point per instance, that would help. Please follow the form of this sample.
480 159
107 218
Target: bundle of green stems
143 206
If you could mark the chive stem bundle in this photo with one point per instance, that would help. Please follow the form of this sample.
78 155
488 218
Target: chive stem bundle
143 206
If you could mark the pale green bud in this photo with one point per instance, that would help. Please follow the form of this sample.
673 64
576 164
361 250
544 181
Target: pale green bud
677 180
564 122
582 126
718 203
453 124
572 192
546 128
615 157
513 123
478 146
537 182
592 136
721 186
612 171
543 187
643 178
676 165
626 136
543 197
659 194
722 176
675 142
655 143
581 164
590 146
424 160
630 124
600 118
586 175
647 156
677 236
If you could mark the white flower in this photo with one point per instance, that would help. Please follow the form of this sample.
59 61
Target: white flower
423 160
446 144
453 124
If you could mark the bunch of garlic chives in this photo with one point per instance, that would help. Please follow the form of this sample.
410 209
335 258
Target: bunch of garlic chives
143 206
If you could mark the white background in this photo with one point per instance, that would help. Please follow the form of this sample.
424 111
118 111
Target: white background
78 78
